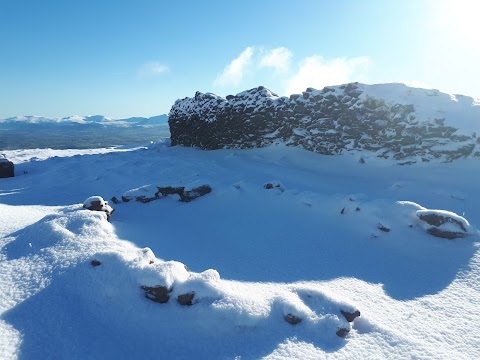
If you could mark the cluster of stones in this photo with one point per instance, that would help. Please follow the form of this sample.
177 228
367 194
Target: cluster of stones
6 167
328 121
162 191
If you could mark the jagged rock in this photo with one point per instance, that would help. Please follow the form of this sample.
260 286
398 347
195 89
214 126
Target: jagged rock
292 319
115 200
186 299
95 262
350 316
329 121
7 169
159 294
96 203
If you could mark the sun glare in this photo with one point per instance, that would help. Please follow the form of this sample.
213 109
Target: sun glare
461 18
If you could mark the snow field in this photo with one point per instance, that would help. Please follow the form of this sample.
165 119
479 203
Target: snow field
255 255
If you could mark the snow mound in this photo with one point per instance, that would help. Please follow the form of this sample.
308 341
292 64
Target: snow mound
79 261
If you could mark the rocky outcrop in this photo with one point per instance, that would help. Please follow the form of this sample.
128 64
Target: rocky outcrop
393 120
6 167
444 224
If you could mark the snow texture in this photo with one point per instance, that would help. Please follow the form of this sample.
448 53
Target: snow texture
71 284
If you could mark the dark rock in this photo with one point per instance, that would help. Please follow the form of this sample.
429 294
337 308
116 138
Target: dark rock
342 211
382 228
186 299
450 235
292 319
274 185
7 169
115 200
326 121
125 199
95 263
357 209
342 332
350 316
190 195
438 220
159 294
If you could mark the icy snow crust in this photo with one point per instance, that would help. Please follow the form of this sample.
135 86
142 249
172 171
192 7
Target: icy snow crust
309 247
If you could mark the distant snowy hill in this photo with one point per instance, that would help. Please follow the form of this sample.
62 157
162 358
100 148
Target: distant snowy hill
22 121
393 121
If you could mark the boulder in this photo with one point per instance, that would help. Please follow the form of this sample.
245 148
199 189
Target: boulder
6 167
186 299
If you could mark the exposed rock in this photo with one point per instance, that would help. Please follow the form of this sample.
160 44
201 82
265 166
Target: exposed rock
350 316
159 294
186 299
336 119
274 185
445 225
292 319
342 332
382 228
95 262
7 169
194 193
96 203
115 200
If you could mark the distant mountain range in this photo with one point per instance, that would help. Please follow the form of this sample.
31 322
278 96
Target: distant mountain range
26 121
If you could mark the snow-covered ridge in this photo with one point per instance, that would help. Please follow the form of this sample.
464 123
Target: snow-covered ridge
392 120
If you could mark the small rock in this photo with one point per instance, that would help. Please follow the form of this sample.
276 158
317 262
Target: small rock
342 332
186 299
357 209
157 294
115 200
342 211
350 316
96 203
95 263
292 319
382 228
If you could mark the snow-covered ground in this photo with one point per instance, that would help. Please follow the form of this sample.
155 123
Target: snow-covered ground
331 237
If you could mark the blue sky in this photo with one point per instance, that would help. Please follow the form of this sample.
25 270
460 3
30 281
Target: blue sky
135 58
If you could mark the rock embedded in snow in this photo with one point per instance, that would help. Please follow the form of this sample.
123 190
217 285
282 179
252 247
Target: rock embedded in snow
445 224
342 332
292 319
159 294
274 185
393 121
96 203
350 316
7 169
186 299
149 193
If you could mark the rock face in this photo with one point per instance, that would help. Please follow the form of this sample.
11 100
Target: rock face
393 120
6 167
444 224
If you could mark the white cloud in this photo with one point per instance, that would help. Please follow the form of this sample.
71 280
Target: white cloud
235 71
152 68
278 58
317 72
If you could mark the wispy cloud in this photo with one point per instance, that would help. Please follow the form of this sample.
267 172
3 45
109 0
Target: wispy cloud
235 71
317 72
152 68
278 58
